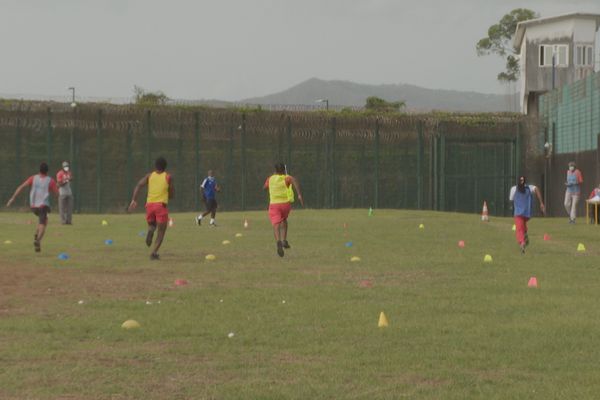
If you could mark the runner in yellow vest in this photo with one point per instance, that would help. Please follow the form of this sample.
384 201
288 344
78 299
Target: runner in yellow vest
160 190
281 197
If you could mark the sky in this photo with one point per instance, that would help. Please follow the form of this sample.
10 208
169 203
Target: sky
235 49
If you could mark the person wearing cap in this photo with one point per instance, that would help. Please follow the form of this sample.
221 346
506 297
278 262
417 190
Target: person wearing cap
573 191
65 194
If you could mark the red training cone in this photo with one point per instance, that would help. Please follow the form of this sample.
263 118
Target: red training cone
546 237
461 243
532 282
484 212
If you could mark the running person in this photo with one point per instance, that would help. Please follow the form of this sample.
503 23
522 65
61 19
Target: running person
209 189
39 200
522 197
160 190
281 197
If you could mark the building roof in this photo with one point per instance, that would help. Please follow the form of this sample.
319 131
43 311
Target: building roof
522 26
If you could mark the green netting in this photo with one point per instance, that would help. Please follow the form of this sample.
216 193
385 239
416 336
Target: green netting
418 162
572 114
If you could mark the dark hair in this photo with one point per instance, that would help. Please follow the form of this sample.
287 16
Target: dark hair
520 186
160 164
43 168
280 168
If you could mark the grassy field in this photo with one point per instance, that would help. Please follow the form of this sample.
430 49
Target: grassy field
305 326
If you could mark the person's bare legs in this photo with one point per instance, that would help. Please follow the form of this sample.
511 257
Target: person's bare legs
284 230
162 229
277 233
150 234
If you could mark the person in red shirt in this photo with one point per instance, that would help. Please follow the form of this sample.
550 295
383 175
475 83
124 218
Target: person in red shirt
39 200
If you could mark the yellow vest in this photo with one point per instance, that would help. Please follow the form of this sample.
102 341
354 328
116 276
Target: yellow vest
158 188
279 193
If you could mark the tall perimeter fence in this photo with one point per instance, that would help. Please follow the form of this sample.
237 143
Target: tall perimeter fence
439 162
570 118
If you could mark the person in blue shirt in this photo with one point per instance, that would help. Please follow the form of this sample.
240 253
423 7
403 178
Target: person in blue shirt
209 190
522 197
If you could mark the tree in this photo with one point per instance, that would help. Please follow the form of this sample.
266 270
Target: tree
145 98
377 104
499 41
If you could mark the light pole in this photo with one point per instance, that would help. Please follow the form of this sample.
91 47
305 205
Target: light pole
72 89
326 101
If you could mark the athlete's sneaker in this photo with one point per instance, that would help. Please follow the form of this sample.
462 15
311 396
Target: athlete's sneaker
280 248
154 256
213 224
286 245
198 221
522 248
37 246
149 237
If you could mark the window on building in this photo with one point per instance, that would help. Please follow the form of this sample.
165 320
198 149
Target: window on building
560 53
584 56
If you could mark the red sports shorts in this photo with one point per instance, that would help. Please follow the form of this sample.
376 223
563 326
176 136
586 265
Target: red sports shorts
279 212
157 212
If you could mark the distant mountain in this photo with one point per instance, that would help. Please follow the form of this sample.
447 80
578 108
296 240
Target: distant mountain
350 94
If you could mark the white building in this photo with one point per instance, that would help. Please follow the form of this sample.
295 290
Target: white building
554 51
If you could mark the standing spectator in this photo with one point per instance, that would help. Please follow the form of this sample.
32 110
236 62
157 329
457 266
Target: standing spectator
522 198
39 200
209 190
573 192
65 194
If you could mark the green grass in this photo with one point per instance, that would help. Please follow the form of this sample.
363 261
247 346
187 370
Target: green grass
459 328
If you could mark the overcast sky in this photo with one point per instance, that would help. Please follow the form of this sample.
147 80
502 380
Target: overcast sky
234 49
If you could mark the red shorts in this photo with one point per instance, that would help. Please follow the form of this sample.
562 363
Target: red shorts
279 212
157 212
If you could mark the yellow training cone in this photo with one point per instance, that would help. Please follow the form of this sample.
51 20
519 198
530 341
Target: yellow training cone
487 258
226 242
238 235
104 222
580 247
421 226
355 259
8 242
514 228
130 324
210 257
383 321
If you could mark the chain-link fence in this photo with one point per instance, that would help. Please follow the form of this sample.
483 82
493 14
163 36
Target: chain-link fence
441 162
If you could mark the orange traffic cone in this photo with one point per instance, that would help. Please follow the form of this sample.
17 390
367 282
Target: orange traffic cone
484 212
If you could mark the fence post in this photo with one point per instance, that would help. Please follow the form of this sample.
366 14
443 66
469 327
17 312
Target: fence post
18 179
518 145
49 138
442 173
420 151
179 165
376 144
148 139
129 158
197 160
99 162
333 199
289 142
243 168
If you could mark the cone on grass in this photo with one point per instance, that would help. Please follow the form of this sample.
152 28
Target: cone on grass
484 212
370 211
210 257
461 244
104 222
245 224
355 259
130 324
581 247
171 223
488 258
383 321
514 228
546 237
532 282
421 226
